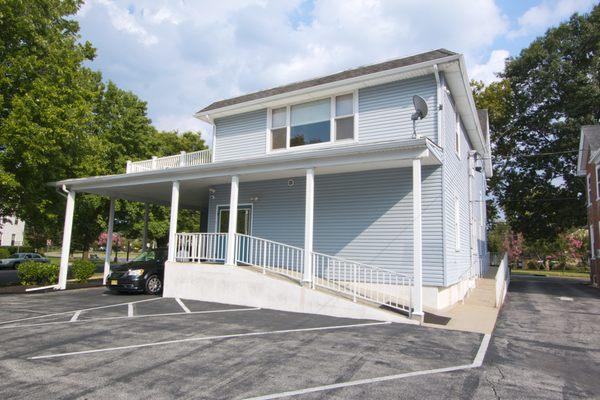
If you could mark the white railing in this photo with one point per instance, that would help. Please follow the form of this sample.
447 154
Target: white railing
180 160
502 280
201 247
269 255
388 288
353 279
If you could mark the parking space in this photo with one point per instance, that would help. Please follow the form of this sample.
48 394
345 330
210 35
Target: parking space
98 345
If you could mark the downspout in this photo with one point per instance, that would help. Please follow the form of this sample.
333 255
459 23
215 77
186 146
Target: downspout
439 106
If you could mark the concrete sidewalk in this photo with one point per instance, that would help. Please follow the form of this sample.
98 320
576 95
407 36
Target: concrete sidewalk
478 312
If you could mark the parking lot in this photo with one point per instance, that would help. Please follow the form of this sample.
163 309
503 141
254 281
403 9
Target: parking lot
92 344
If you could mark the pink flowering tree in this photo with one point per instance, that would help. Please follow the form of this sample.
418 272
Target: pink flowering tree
574 246
513 245
117 241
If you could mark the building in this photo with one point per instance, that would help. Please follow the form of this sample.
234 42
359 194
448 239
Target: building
588 165
334 189
12 231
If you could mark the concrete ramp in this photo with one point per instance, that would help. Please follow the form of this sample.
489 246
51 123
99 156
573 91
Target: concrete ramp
246 287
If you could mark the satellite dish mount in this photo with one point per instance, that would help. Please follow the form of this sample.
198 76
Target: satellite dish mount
420 112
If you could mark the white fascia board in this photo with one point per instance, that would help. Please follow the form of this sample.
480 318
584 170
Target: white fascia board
371 153
327 89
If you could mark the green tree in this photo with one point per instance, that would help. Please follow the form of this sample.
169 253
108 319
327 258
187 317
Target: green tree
549 90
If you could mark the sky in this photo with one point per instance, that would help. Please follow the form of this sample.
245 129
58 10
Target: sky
181 55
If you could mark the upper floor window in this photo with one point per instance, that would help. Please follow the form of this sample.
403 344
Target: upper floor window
326 120
589 189
457 136
598 182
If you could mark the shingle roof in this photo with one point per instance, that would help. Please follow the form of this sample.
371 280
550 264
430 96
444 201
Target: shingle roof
351 73
592 136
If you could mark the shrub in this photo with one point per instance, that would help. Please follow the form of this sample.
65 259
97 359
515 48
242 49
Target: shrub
36 273
4 253
82 270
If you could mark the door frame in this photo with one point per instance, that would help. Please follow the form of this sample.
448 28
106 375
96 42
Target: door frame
247 206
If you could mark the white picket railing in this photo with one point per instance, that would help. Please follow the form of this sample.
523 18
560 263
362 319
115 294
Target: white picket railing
353 279
179 160
361 281
199 247
269 255
502 280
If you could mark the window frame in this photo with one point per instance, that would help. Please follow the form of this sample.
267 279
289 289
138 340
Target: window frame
457 135
332 124
597 169
592 242
457 223
589 189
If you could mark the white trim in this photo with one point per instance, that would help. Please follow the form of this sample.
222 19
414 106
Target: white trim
109 239
457 135
204 338
332 124
309 224
66 242
173 221
597 169
219 207
589 189
592 243
457 234
417 240
439 105
233 208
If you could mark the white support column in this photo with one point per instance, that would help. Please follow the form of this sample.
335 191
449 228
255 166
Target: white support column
173 221
308 224
417 242
66 242
233 207
109 239
145 232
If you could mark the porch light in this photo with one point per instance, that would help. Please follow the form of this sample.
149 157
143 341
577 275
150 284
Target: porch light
291 182
254 199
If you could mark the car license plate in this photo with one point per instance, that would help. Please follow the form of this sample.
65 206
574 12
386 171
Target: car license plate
114 282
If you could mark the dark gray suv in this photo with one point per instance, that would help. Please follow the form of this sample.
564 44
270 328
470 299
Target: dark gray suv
18 258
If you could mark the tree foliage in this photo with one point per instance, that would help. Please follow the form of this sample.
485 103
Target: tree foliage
548 91
59 120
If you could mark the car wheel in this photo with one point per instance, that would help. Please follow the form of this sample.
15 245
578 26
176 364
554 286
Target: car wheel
153 285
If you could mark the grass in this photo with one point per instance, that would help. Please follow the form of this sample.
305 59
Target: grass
568 274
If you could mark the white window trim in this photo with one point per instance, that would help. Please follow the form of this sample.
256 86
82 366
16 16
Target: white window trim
457 135
457 222
588 193
219 207
597 182
332 133
592 243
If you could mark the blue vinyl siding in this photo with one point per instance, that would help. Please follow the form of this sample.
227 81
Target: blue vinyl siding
385 110
364 216
456 183
241 136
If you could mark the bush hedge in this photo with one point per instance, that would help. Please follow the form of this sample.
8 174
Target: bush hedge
4 253
82 270
37 273
19 249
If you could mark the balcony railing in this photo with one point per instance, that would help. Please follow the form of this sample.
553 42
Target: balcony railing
180 160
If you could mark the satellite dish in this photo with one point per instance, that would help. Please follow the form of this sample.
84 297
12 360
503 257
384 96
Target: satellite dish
420 112
420 108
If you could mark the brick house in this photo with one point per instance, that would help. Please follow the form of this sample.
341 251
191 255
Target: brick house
588 165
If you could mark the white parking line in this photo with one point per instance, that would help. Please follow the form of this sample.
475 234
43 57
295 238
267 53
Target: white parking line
72 311
477 362
131 317
75 316
197 339
130 309
187 310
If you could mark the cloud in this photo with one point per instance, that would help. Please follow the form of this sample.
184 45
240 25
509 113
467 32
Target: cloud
487 72
538 18
180 56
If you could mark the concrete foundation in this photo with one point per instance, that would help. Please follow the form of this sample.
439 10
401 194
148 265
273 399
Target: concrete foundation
240 286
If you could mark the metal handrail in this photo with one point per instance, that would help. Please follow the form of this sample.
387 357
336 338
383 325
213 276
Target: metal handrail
271 256
198 247
361 281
